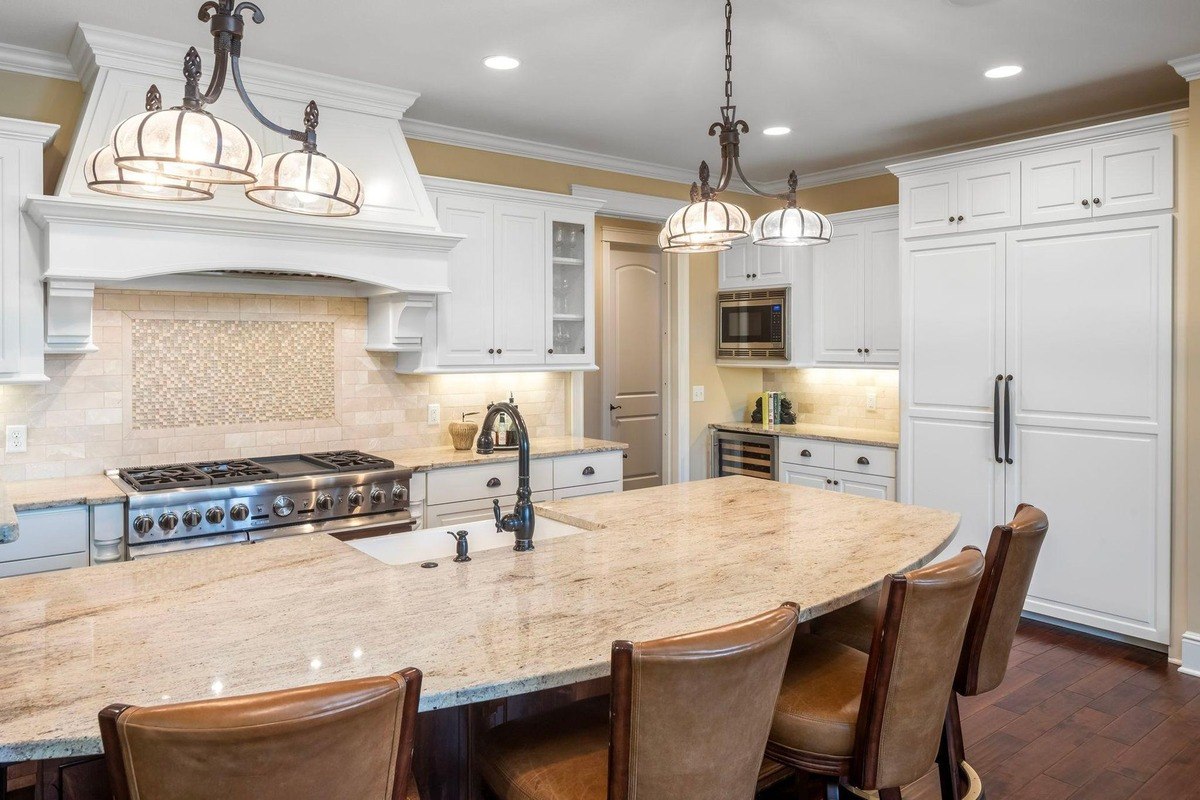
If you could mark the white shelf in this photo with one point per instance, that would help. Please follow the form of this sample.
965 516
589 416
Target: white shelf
563 261
568 317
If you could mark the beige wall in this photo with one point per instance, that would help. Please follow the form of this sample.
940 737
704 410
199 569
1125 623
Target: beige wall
44 100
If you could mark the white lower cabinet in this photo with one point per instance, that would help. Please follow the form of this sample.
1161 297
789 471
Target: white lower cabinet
837 481
862 470
457 495
49 539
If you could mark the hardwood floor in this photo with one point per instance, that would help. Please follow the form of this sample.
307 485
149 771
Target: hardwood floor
1077 718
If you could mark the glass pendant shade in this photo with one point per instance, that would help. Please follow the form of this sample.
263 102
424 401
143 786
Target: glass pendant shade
707 222
301 182
103 175
791 226
664 244
192 145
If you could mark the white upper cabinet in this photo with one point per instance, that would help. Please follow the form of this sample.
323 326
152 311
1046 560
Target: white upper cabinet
975 198
750 266
856 291
1133 175
522 280
929 204
1057 185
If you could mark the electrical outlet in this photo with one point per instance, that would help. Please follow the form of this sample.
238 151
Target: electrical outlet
872 400
15 438
697 394
435 414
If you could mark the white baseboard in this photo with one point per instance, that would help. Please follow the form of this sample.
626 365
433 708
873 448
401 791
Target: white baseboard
1190 662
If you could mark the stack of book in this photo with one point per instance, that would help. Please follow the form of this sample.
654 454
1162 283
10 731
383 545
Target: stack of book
772 412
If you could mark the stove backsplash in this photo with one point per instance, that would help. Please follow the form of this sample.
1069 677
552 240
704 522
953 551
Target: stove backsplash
187 376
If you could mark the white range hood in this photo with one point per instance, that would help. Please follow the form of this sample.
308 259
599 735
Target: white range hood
394 246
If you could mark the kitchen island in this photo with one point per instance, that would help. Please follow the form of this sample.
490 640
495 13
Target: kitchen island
309 609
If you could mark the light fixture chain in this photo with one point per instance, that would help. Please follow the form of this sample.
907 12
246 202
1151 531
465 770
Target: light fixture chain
728 52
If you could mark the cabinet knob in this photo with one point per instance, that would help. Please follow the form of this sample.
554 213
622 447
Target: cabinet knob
493 483
805 454
829 480
747 276
755 276
863 460
952 220
867 350
1086 203
1095 201
860 349
960 217
550 351
835 483
498 351
589 471
491 351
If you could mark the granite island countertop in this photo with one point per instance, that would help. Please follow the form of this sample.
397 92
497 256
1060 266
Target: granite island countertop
9 530
420 459
307 609
810 430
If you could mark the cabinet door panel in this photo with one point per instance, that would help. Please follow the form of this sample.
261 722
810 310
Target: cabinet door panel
1089 311
838 279
570 288
1105 561
883 292
774 265
1055 185
929 203
1134 175
950 464
735 266
464 317
878 488
953 322
520 285
804 476
989 196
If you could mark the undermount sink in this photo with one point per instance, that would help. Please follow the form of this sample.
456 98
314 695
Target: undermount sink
433 544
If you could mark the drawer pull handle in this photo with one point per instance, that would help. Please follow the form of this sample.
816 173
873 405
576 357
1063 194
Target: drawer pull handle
493 483
805 454
589 471
864 461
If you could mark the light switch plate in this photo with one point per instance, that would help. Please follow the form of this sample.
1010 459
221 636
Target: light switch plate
435 413
697 394
16 438
872 400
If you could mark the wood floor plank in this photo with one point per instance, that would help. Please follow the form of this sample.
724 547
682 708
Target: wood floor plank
1133 725
1079 766
1106 786
1120 698
1046 686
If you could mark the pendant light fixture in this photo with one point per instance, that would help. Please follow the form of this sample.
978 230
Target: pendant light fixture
708 221
187 146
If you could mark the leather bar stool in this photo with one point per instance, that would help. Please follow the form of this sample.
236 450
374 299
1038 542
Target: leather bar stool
1011 556
875 720
687 719
335 740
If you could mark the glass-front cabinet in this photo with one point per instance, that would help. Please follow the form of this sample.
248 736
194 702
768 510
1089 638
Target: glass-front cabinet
570 316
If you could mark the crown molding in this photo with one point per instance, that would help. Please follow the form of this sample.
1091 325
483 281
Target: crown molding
630 205
1188 67
15 58
496 192
42 133
891 212
1072 135
94 48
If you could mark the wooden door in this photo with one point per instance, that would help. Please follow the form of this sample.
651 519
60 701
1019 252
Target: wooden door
1056 186
838 288
632 377
520 284
952 349
929 204
1089 349
1134 175
989 196
465 318
882 308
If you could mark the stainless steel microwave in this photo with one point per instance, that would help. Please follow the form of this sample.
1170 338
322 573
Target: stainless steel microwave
753 324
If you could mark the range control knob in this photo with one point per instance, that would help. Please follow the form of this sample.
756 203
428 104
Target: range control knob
283 506
215 515
355 499
399 494
143 525
239 513
324 502
191 518
168 521
376 496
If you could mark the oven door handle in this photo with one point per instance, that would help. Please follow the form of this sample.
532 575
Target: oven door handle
137 551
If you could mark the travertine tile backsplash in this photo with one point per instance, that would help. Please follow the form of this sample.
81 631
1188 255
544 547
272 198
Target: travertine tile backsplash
839 396
235 359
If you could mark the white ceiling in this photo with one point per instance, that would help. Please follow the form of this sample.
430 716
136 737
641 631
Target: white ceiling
856 80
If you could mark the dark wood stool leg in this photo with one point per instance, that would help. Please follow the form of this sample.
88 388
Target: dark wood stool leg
951 753
889 794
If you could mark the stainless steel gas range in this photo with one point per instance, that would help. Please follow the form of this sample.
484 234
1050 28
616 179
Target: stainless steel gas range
345 493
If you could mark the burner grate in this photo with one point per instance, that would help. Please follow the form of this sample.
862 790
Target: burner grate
352 460
164 476
235 470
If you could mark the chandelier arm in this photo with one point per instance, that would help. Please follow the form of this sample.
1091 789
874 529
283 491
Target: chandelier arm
299 136
216 83
737 165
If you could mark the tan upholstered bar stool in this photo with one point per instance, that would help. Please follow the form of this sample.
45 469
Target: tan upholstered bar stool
876 720
1011 556
687 720
330 741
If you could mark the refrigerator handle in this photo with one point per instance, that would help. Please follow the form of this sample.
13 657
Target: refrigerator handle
1008 420
996 420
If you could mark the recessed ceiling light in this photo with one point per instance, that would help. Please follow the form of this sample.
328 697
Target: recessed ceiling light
1003 72
777 130
501 62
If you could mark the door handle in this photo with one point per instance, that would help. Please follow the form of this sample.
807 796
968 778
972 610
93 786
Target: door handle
996 420
1007 420
611 407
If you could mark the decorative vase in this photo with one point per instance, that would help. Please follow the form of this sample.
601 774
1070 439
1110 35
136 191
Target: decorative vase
462 434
